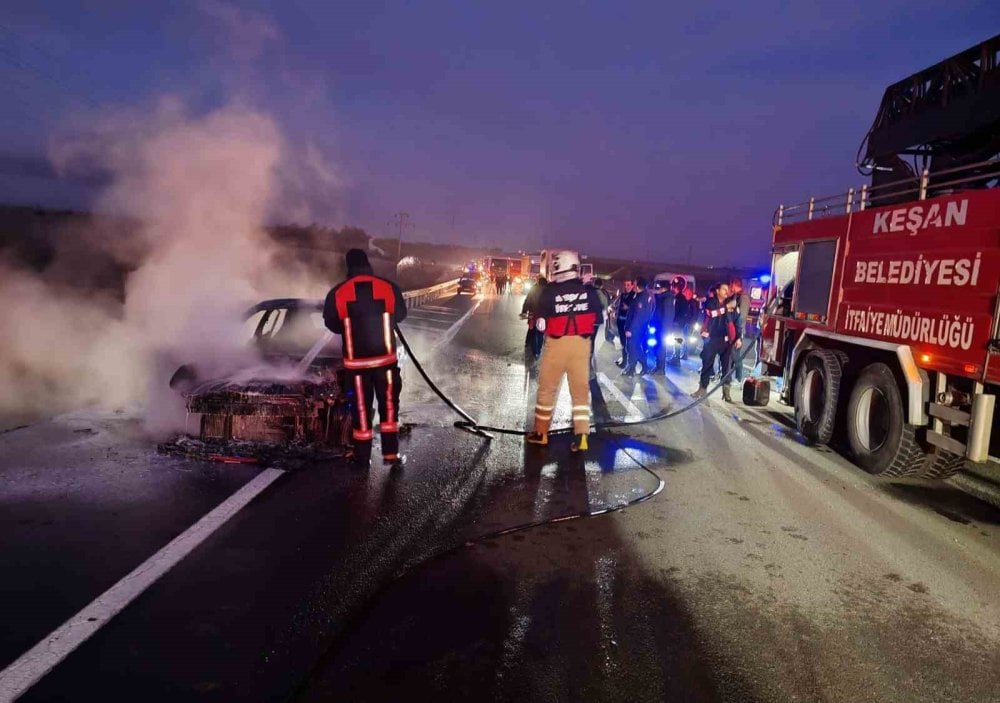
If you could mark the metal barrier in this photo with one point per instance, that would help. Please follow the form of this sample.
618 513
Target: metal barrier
416 298
919 187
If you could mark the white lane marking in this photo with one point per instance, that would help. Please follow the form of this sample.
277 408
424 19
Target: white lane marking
633 412
44 656
437 313
425 325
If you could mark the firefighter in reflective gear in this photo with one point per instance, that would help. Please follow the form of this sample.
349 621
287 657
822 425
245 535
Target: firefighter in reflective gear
721 336
364 310
571 313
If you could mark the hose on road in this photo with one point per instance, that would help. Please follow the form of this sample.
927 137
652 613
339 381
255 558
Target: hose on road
469 424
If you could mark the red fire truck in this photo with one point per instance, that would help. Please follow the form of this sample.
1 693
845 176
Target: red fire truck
883 313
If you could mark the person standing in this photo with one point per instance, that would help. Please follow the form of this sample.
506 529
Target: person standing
364 310
739 305
637 328
622 306
571 313
529 311
662 320
721 337
598 286
684 311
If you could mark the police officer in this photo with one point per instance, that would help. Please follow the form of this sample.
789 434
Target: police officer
622 307
571 313
364 310
637 328
721 338
662 320
529 311
684 312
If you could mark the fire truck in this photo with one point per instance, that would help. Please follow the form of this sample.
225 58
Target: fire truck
883 307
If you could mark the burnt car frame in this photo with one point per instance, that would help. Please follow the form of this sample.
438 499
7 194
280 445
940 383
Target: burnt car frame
286 399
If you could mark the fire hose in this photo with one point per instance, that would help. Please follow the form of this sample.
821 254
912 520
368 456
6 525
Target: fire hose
469 424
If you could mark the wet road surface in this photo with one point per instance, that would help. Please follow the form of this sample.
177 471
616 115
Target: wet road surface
764 570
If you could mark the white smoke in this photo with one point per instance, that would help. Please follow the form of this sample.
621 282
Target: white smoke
202 188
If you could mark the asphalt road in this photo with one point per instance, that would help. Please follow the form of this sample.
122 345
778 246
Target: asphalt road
764 569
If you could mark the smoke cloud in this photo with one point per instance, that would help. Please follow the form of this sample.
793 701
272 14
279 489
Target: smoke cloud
201 188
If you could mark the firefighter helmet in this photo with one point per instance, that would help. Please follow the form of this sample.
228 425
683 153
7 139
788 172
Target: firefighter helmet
565 266
679 282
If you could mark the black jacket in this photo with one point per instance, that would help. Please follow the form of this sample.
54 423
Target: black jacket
719 322
364 309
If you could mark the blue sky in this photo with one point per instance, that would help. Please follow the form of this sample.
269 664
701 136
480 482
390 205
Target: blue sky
644 129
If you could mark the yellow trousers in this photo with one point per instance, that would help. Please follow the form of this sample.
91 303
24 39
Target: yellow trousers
569 355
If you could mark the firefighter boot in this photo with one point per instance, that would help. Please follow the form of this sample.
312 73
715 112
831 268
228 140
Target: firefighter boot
699 394
539 438
726 396
394 461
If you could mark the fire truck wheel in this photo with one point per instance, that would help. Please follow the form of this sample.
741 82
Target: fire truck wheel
942 464
881 441
817 390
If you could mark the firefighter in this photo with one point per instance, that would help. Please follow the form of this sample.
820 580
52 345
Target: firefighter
364 310
571 313
721 337
622 304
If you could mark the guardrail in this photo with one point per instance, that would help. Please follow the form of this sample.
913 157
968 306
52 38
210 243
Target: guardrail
416 298
920 187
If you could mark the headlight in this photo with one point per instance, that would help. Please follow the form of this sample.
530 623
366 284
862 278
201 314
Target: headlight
669 341
697 326
693 340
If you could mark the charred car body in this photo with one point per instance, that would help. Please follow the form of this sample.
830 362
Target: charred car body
295 395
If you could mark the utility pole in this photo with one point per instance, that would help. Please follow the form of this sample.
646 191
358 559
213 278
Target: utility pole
400 220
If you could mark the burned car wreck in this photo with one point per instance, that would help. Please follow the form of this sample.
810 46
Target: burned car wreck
293 401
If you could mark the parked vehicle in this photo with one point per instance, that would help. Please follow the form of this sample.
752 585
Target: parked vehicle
883 313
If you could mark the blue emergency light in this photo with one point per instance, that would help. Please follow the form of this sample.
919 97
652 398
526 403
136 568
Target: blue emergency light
765 279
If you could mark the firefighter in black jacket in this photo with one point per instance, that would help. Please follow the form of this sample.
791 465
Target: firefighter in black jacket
364 310
722 335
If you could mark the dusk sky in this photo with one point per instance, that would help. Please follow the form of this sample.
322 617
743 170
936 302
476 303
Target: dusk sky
638 129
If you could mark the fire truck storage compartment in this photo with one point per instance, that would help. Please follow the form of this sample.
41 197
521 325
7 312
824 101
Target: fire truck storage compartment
815 277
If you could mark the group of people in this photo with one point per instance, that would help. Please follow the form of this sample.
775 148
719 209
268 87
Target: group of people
724 329
669 314
501 283
668 308
564 315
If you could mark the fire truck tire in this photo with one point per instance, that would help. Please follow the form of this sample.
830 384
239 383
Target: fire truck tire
880 439
942 464
817 392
